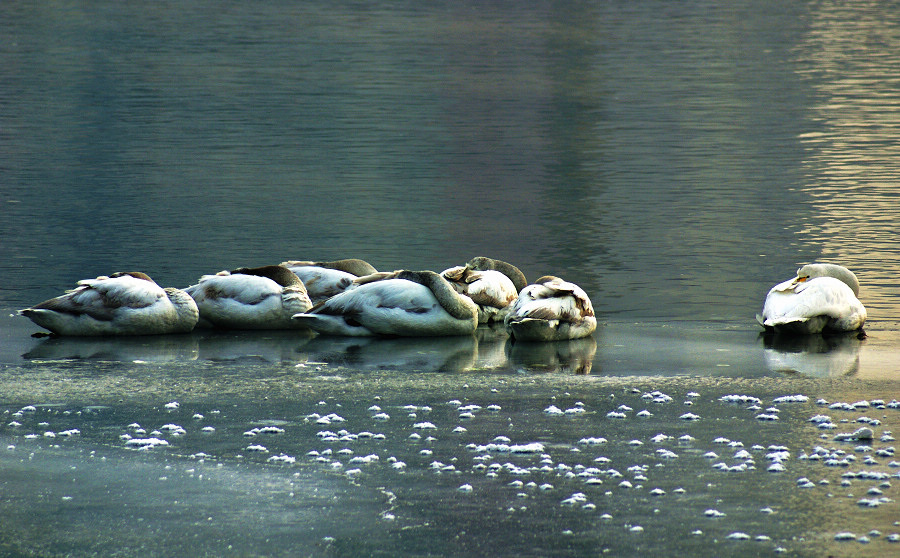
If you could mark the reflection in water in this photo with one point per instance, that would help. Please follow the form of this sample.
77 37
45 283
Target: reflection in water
848 59
146 348
574 355
492 347
487 350
818 356
439 354
274 346
209 345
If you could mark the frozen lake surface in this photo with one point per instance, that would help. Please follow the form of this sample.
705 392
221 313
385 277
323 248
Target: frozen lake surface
282 446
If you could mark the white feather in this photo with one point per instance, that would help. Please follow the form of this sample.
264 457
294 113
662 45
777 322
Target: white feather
241 301
812 305
393 306
551 310
120 304
322 283
491 290
323 280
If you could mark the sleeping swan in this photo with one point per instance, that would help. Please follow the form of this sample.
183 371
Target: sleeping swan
822 297
492 284
250 298
122 304
551 310
325 279
399 303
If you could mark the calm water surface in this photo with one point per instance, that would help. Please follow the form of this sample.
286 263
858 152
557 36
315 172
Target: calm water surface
675 159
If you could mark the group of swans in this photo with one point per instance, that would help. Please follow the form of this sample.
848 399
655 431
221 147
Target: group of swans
351 298
345 297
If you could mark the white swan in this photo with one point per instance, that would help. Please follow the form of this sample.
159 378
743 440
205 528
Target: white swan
325 279
250 298
400 303
492 284
122 304
551 310
822 297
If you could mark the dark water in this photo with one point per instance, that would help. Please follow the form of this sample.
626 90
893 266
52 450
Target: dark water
675 159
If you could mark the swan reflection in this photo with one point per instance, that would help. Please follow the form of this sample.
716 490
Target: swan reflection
146 348
816 355
420 354
268 346
492 347
574 355
488 349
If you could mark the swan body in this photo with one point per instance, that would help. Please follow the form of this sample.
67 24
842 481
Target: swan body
822 297
121 304
250 298
325 279
400 303
482 263
491 284
551 310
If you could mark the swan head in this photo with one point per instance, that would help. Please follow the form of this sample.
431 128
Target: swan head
811 271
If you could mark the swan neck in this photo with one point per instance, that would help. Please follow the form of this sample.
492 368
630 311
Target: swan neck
482 263
831 270
280 274
459 306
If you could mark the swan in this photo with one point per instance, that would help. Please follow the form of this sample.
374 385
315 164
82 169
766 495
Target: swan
822 297
250 298
325 279
491 284
550 310
482 263
399 303
125 303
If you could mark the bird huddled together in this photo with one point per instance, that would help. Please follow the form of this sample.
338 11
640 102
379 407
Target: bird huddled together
344 297
351 298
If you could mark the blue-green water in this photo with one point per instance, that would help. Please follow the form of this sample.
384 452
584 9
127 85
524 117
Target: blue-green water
674 159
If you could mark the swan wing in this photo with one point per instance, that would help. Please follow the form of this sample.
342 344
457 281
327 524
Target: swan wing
385 307
380 296
565 309
102 297
492 288
556 299
485 288
124 291
238 288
